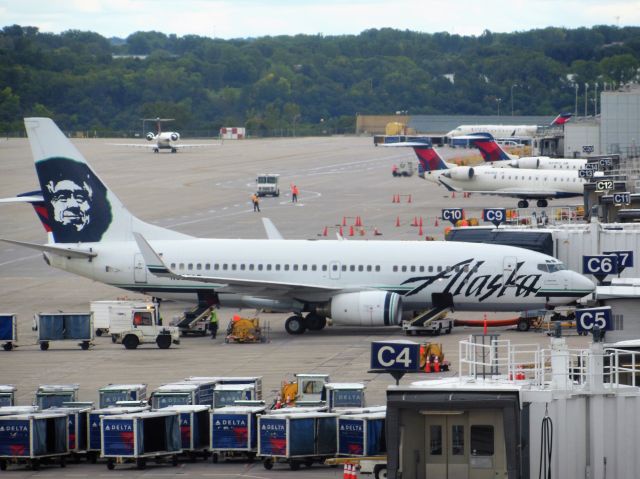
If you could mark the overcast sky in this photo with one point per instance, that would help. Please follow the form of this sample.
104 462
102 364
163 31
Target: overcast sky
254 18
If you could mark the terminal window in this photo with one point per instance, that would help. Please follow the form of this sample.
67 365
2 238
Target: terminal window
482 440
435 442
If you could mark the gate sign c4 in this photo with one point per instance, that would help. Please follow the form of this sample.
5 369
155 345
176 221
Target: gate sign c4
587 319
401 355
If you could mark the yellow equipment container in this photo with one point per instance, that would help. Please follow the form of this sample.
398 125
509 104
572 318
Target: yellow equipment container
245 330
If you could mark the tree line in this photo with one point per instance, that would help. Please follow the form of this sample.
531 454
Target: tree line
309 84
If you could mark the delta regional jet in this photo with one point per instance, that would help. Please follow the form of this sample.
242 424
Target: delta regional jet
357 283
163 140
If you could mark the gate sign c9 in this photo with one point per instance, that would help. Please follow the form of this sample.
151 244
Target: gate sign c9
452 214
586 319
494 215
399 355
600 265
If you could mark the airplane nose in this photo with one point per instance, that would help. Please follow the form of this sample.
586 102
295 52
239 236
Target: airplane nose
582 283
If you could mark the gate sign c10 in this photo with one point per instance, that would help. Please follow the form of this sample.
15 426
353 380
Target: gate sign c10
600 266
401 355
494 215
586 319
453 215
625 259
623 198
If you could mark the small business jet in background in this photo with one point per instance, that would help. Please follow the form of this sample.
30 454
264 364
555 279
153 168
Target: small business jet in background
356 283
163 140
524 184
506 131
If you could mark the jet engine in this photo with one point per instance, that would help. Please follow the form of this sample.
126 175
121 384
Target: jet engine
526 163
365 308
461 173
151 136
174 136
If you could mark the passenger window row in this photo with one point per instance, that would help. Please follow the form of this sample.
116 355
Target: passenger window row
269 267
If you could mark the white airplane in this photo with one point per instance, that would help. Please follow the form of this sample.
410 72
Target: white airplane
494 154
357 283
525 184
506 131
163 140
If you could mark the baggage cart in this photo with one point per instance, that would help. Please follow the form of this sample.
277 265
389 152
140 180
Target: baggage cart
17 410
140 436
194 429
234 431
296 438
78 420
8 331
7 395
65 326
32 438
94 436
256 381
228 394
114 393
344 395
362 434
54 395
183 393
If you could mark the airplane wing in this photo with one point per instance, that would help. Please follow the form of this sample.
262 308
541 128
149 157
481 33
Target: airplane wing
31 198
271 230
157 267
193 145
58 250
135 145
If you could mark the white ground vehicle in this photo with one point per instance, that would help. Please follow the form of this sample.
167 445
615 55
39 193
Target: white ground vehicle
116 316
144 327
404 168
267 184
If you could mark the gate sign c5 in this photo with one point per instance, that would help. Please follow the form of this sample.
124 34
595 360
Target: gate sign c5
401 355
587 319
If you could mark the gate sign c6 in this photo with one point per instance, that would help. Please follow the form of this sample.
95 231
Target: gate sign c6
494 215
600 265
586 319
401 355
453 215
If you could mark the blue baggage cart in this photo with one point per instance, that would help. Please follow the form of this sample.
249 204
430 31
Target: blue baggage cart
339 395
183 393
94 436
362 434
111 394
7 395
137 437
234 431
8 331
194 429
296 438
30 438
54 395
78 421
65 326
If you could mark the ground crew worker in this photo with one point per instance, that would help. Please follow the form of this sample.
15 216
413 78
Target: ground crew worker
256 202
213 323
294 194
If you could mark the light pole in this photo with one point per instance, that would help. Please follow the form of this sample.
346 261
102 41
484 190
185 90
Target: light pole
586 95
595 100
515 84
575 113
498 100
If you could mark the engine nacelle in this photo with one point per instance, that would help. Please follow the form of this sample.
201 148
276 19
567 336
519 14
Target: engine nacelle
461 173
366 308
527 163
174 136
151 136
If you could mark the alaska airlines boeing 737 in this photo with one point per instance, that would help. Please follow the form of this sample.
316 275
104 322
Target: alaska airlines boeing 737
358 283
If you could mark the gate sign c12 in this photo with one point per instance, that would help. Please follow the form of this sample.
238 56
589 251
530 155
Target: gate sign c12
600 266
586 319
453 215
625 259
401 355
494 215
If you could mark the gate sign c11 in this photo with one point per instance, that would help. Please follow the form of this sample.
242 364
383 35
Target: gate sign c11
586 319
453 215
494 215
625 259
623 198
398 355
600 266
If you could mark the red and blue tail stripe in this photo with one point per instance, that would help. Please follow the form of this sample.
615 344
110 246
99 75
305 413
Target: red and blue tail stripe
489 149
561 119
429 158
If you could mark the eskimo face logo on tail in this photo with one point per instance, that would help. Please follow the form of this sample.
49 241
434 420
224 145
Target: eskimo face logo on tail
75 200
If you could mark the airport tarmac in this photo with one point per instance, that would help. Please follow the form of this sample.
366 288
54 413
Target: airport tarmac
206 192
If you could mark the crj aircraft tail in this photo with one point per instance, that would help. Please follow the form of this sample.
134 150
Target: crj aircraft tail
429 158
561 119
489 149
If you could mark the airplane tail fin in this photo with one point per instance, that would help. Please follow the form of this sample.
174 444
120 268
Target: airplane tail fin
489 149
76 206
561 119
429 158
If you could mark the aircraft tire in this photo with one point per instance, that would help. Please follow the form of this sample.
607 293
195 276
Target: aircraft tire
542 203
295 325
315 322
523 204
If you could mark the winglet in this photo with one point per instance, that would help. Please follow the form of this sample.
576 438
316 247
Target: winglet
271 230
154 262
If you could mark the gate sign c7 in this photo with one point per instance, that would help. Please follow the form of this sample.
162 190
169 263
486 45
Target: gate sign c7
586 319
398 355
494 215
625 259
452 214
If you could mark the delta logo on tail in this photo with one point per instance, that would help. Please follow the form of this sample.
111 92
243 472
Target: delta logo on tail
429 158
489 149
561 119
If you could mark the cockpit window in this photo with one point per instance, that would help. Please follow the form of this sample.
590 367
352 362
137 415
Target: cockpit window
551 267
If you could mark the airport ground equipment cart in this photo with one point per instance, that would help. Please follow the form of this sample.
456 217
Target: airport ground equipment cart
229 394
246 330
7 395
138 437
341 395
54 395
362 434
17 410
267 184
33 438
240 381
113 317
94 435
434 327
234 432
65 326
111 394
183 393
145 333
194 429
8 331
78 443
296 438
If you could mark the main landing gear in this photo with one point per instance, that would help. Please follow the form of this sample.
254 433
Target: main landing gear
539 203
298 325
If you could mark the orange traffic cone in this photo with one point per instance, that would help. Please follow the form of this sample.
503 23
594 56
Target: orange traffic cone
341 233
358 221
397 221
420 231
350 230
415 221
409 199
278 404
420 222
344 221
436 222
436 365
325 232
393 199
427 366
453 194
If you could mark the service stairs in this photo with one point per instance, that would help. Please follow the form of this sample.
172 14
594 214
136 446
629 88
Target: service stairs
425 318
190 318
